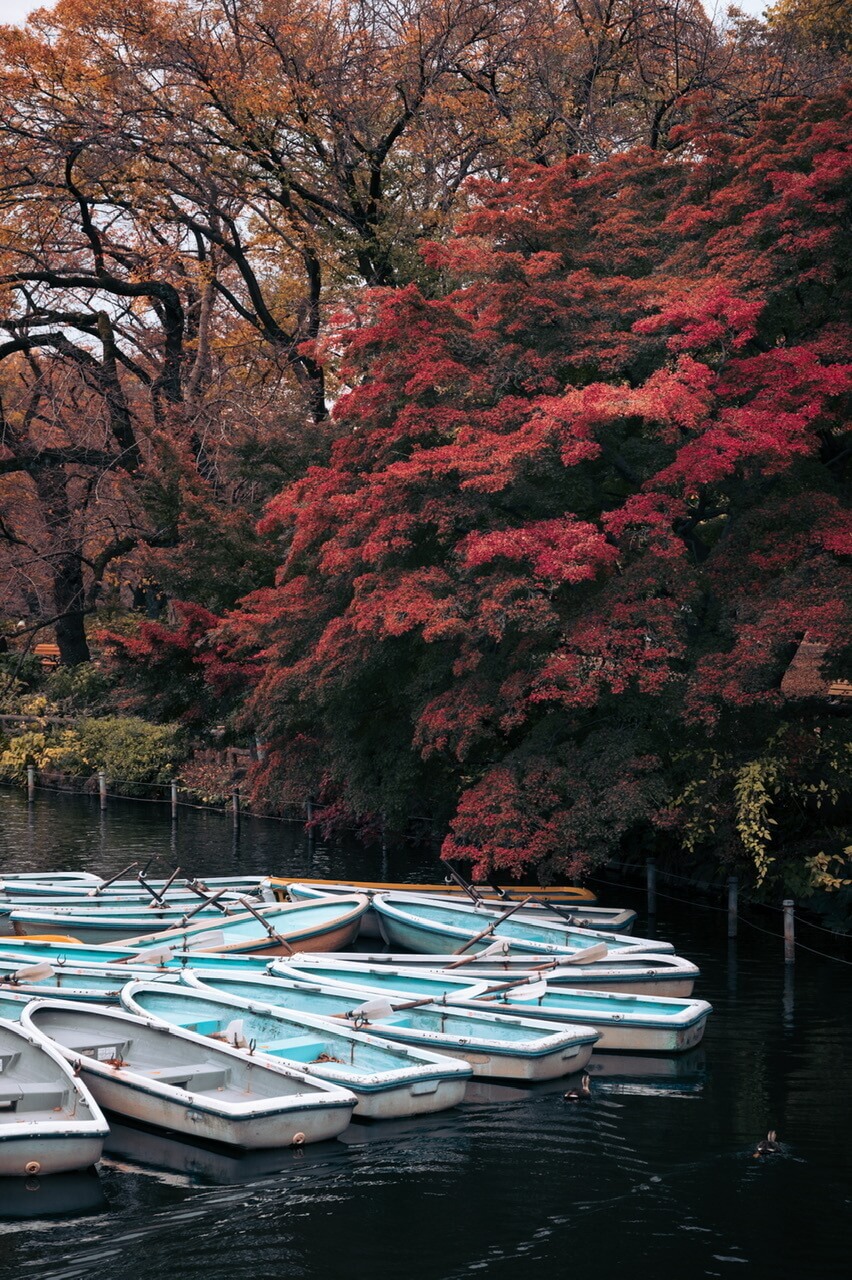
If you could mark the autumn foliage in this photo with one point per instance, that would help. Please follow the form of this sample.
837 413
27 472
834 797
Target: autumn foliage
581 512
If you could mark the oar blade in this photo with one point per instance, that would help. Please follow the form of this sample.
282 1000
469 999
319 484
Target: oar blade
380 1008
33 972
598 952
208 941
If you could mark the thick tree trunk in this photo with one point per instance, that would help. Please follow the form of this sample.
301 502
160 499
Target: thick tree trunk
69 598
70 632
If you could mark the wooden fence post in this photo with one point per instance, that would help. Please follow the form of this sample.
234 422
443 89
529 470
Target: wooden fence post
235 806
30 783
789 932
102 790
651 870
732 906
173 789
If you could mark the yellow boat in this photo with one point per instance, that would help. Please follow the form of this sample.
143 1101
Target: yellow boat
561 894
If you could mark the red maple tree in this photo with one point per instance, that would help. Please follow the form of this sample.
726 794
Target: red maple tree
582 508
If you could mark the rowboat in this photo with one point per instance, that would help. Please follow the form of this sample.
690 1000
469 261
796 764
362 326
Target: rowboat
627 972
22 951
607 919
646 1024
128 904
176 1080
496 1045
95 984
110 921
388 1080
558 893
62 884
273 930
49 1122
412 923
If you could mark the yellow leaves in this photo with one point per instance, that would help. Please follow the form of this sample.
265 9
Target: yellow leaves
823 870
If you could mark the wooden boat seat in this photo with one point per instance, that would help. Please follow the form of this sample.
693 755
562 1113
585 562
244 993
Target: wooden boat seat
195 1076
31 1097
301 1048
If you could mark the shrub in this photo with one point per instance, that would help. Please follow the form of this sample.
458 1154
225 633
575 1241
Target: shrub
82 688
130 750
62 751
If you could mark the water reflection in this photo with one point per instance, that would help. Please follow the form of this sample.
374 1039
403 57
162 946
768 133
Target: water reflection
653 1177
61 1195
132 1150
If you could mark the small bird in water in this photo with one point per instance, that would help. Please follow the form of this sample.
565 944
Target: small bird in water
767 1146
583 1093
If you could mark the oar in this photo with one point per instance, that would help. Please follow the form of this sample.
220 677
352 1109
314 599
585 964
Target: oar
471 892
209 941
159 956
28 973
485 932
156 956
537 985
105 884
273 933
500 947
568 916
373 1006
208 902
201 891
590 954
159 896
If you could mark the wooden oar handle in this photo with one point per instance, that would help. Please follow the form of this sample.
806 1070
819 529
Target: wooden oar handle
485 932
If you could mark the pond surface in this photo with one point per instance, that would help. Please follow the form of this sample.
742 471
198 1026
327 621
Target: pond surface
653 1178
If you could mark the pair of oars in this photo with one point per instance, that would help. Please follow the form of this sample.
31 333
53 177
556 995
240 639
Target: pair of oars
473 893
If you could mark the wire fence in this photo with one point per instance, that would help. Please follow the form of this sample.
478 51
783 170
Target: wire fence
170 792
787 936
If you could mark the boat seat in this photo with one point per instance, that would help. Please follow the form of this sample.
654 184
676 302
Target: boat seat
195 1076
92 1045
31 1097
393 1020
207 1027
300 1048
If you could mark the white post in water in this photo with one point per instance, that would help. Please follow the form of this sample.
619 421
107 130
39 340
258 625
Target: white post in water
30 783
173 789
652 887
789 932
732 906
102 791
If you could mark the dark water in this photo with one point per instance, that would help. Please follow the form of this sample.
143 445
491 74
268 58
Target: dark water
652 1178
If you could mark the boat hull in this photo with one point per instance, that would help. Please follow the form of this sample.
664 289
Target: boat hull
670 976
30 1156
248 1133
424 925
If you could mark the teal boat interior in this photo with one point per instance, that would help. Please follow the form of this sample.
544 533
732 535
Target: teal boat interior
318 1000
526 930
416 984
275 1034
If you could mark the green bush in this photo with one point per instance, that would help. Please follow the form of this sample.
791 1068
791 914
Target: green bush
82 688
130 750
